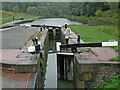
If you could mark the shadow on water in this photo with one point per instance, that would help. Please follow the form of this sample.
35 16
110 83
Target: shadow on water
51 45
65 84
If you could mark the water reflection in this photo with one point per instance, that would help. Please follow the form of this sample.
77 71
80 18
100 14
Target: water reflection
55 21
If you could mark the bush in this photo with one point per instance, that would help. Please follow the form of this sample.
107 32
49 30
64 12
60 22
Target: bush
110 83
98 13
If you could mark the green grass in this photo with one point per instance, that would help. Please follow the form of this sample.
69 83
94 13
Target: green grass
111 83
8 16
6 21
97 34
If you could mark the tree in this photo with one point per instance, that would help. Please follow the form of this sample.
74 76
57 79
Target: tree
43 11
98 12
113 5
15 9
32 10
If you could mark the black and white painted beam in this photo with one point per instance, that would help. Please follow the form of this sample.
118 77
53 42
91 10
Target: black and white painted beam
53 26
26 25
100 44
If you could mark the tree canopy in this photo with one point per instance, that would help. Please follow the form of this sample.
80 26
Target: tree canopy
60 8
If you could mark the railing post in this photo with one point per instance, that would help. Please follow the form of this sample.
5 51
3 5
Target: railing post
66 39
36 40
65 26
41 28
78 40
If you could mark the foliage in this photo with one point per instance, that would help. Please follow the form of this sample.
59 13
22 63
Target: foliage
87 8
113 5
106 12
60 8
32 10
110 83
15 9
41 61
115 59
98 12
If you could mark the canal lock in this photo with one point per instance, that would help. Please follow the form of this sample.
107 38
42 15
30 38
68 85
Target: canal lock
64 63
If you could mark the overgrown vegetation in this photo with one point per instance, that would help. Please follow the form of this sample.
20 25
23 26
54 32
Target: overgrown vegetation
111 83
41 61
115 59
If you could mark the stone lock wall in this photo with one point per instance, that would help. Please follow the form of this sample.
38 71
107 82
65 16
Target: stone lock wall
89 74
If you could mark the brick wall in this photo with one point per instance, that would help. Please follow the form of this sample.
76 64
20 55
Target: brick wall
89 74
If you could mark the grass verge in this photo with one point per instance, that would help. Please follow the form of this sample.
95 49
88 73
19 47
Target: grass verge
97 34
8 16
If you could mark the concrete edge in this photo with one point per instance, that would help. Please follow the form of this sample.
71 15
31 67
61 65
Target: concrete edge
25 21
32 81
15 24
43 37
33 61
94 61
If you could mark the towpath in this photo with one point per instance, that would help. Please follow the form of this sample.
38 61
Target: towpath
100 53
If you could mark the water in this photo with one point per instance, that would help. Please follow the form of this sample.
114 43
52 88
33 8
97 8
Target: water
54 21
51 77
65 84
51 70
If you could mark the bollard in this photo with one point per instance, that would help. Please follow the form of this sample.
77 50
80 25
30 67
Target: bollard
33 41
44 26
78 40
37 47
13 18
66 39
41 28
65 26
36 40
74 50
41 55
